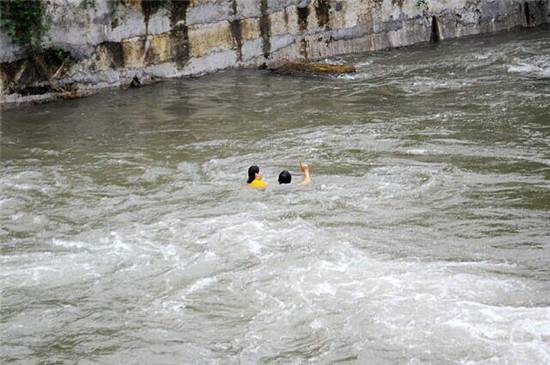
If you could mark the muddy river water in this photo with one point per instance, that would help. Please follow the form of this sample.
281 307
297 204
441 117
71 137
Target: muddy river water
127 235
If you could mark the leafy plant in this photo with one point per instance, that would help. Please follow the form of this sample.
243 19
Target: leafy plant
87 4
422 3
24 21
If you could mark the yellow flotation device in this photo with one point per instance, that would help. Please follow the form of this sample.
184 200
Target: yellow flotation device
258 184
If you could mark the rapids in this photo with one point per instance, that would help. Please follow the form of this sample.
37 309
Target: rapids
127 235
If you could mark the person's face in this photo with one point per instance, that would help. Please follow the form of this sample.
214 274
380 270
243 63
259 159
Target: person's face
260 174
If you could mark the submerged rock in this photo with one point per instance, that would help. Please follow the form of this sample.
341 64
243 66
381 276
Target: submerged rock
312 68
135 83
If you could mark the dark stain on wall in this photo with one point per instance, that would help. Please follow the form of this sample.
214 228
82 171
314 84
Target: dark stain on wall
265 29
435 35
236 31
534 12
527 13
237 37
30 75
179 32
285 17
18 74
115 52
303 48
397 2
322 10
150 58
115 23
303 14
150 7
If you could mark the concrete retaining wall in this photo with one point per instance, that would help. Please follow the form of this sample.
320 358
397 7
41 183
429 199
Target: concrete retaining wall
95 44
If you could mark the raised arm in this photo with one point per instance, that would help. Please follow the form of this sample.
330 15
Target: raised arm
305 169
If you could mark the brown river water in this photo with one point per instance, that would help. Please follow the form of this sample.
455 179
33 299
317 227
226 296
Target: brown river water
127 235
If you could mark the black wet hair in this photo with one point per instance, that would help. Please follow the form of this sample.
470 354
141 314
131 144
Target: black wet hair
285 177
252 171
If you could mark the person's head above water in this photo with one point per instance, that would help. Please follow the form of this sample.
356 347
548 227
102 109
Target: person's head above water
285 177
253 173
255 176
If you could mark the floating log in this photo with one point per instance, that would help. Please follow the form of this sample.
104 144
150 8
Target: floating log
297 68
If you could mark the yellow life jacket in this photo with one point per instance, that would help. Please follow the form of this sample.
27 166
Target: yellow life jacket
258 184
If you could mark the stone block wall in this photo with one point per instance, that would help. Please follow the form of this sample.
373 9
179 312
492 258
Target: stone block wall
93 44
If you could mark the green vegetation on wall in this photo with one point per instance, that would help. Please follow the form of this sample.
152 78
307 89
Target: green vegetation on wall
422 3
24 21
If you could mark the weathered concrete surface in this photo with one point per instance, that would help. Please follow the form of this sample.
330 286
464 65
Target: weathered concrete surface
106 43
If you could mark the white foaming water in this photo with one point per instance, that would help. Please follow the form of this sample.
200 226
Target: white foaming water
363 64
42 152
189 169
417 151
536 67
350 76
201 284
70 244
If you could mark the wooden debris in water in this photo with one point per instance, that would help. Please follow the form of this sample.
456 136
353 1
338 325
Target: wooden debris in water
305 68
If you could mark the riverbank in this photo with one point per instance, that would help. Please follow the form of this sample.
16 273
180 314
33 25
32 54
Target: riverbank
93 45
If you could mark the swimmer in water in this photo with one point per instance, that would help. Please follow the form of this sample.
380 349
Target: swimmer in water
255 178
285 177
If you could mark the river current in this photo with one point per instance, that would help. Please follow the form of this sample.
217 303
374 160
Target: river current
128 237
